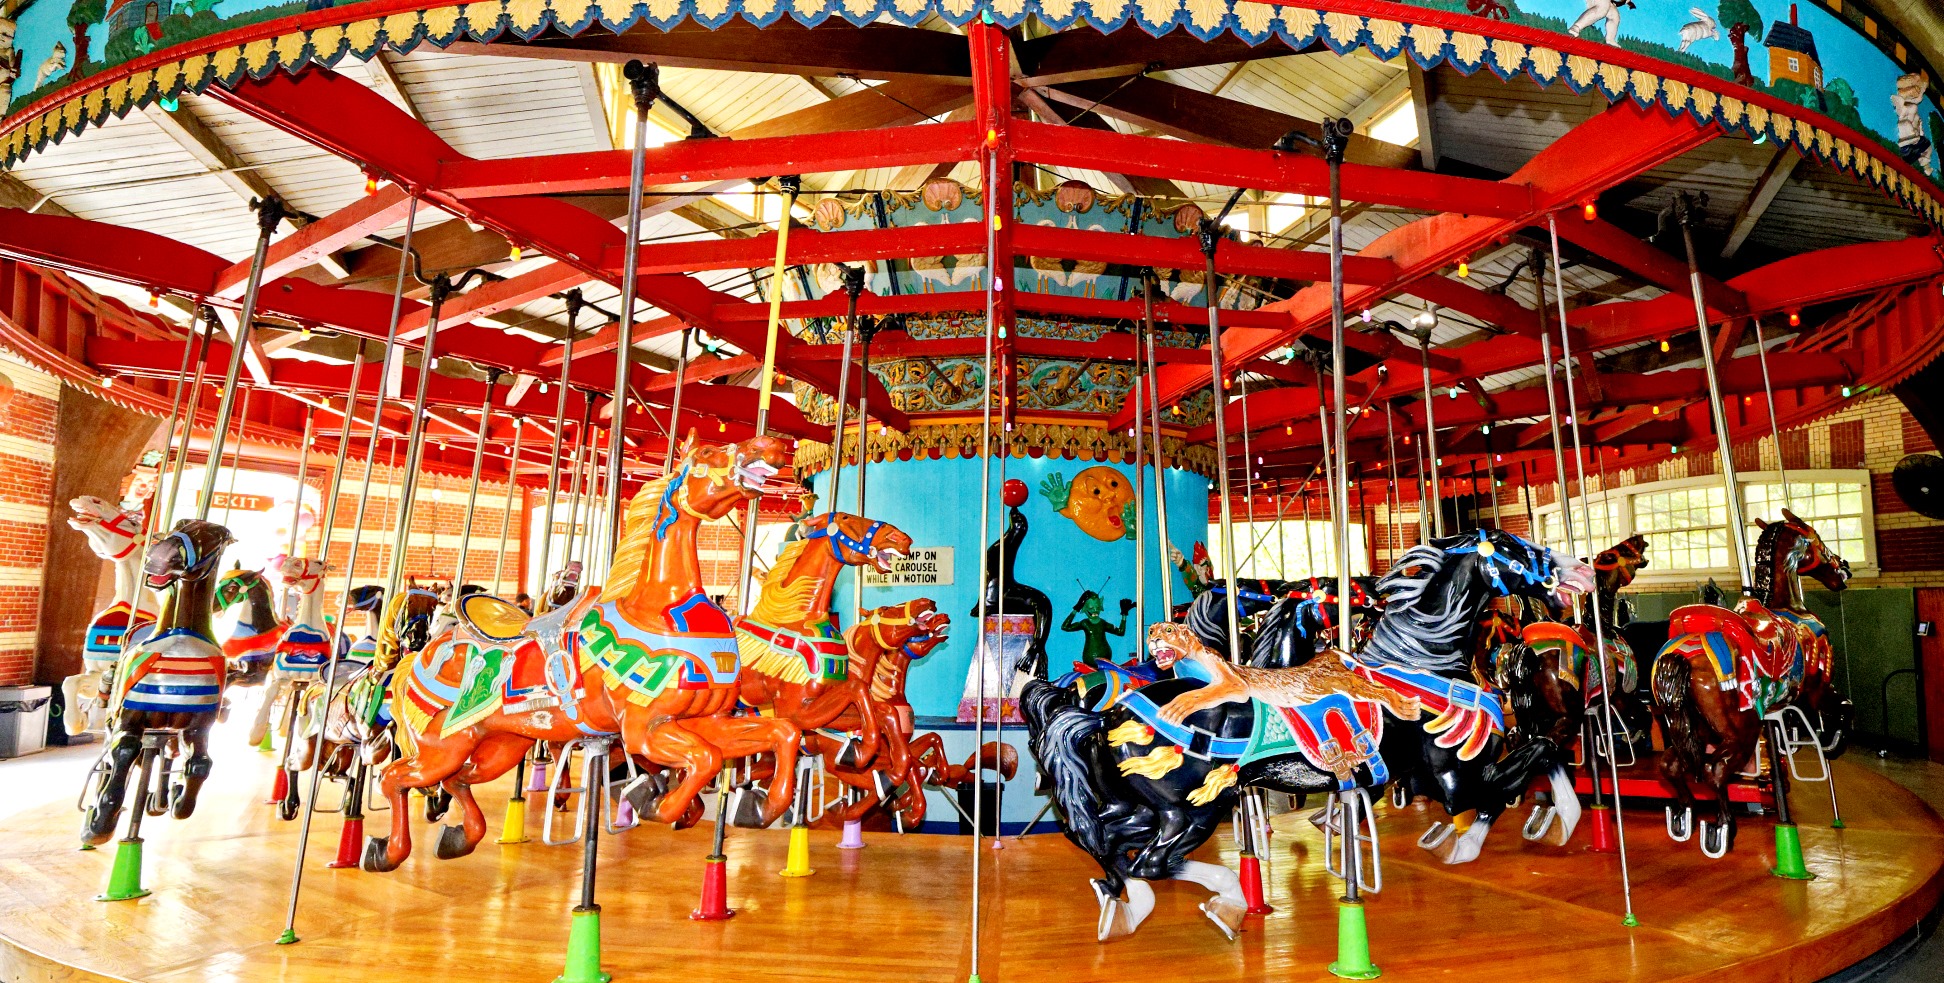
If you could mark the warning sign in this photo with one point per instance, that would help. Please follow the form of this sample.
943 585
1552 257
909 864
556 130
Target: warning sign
929 566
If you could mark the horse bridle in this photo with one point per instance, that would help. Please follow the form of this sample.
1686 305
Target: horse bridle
195 562
1544 572
878 620
834 536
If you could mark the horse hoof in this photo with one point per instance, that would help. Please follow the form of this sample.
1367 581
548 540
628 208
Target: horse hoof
849 755
1538 823
452 843
746 809
1435 837
1113 922
1680 825
377 858
883 785
287 807
1400 795
1716 839
1226 914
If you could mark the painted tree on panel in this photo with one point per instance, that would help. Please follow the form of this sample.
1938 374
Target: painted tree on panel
1742 19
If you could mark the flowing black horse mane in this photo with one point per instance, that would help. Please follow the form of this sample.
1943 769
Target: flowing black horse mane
1429 619
1765 565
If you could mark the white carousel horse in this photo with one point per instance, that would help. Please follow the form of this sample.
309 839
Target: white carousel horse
302 650
115 535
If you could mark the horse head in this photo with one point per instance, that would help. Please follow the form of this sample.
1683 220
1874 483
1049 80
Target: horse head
1811 556
916 622
1507 565
236 585
190 550
366 597
1169 643
564 586
306 575
855 540
715 478
1619 564
112 531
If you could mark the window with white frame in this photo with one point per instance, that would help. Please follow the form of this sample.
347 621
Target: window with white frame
1836 509
1686 520
1288 550
1603 521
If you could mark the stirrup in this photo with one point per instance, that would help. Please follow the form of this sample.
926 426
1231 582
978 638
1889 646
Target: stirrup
558 786
1541 820
97 777
1605 727
1370 876
812 798
1799 732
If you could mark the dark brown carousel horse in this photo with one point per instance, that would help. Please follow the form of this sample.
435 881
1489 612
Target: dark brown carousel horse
174 681
1722 671
652 663
357 723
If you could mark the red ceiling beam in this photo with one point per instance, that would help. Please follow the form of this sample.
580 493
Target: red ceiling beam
1175 253
321 238
1615 245
1263 170
689 161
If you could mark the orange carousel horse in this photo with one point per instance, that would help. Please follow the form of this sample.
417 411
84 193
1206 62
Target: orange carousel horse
656 667
1724 671
883 645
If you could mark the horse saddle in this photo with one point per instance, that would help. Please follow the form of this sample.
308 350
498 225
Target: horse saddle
1721 632
492 617
1336 734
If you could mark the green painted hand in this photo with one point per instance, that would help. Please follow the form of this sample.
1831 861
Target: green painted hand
1056 490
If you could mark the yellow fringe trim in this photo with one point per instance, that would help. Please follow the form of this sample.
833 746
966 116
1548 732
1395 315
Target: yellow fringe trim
1154 764
1131 732
1221 778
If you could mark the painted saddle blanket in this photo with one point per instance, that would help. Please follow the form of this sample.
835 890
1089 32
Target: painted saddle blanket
1759 653
247 646
1464 714
303 651
177 671
110 631
793 656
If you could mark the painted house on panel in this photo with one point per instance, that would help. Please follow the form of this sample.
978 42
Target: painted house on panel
1792 54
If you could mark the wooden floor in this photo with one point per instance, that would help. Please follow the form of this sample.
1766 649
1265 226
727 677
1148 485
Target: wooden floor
897 910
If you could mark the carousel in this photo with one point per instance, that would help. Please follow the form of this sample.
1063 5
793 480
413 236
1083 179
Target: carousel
836 471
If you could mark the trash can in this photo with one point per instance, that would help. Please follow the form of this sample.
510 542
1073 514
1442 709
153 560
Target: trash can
23 719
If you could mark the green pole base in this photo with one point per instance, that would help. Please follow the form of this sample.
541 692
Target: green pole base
265 744
1630 921
1788 855
584 949
1353 944
1837 823
125 878
87 848
974 978
288 938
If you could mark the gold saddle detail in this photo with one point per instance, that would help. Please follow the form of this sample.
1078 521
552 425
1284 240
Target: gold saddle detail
492 617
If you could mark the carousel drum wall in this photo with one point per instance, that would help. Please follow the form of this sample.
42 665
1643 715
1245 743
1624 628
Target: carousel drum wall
937 504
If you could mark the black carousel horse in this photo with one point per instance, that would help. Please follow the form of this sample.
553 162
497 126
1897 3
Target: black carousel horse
172 682
1143 783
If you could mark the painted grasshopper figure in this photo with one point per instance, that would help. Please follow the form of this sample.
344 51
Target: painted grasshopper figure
649 658
115 535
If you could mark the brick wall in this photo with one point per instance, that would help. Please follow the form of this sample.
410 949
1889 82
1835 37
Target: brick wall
27 429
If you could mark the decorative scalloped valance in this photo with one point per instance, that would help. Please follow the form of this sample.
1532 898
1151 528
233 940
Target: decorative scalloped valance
1893 120
960 438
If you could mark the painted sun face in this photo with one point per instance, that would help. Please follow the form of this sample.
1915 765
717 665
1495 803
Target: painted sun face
1098 497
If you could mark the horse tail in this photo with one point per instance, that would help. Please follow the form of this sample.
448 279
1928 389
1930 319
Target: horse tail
1673 701
1066 742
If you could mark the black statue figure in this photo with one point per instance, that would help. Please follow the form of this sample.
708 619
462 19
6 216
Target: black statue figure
1003 587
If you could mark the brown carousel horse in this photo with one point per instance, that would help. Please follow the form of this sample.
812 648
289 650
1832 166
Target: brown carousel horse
883 644
1723 671
796 663
656 667
357 723
1549 678
172 682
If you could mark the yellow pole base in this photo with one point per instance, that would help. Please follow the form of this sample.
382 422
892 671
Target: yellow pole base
513 829
798 862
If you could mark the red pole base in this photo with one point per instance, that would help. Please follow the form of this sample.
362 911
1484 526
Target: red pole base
1605 840
350 844
280 789
1252 885
715 892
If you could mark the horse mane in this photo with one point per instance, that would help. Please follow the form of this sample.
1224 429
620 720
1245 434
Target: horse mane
780 601
1419 630
625 572
1765 559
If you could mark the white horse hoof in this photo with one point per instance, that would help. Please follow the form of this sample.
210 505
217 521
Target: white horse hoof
1538 823
1226 914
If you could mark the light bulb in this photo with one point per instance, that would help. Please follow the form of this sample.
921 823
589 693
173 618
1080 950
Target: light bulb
1454 392
1289 429
1657 409
155 299
1846 392
1464 268
303 333
1487 428
543 389
1663 344
1795 319
722 427
371 183
1590 210
1676 448
514 255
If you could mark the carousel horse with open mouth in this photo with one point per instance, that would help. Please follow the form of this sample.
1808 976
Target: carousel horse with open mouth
297 669
173 681
795 661
1144 783
883 644
251 646
1724 671
650 660
1550 679
114 535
